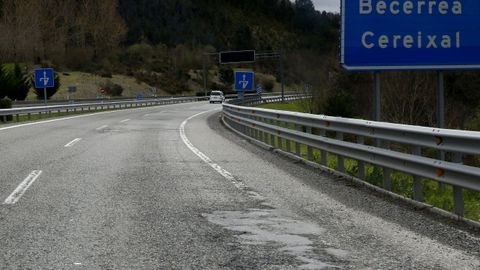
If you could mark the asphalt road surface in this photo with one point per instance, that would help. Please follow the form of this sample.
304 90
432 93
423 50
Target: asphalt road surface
171 188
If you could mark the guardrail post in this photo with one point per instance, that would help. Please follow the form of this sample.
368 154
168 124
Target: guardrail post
309 148
272 136
417 180
288 143
361 163
341 159
298 146
387 180
441 156
265 134
323 153
29 116
458 191
17 116
280 139
260 133
255 130
244 128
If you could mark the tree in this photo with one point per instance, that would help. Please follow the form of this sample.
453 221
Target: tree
112 89
226 75
51 30
268 85
3 85
17 83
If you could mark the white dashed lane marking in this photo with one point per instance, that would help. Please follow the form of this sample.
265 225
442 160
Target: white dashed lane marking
72 143
22 188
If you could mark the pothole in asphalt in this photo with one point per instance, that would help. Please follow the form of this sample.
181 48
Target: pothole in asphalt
267 227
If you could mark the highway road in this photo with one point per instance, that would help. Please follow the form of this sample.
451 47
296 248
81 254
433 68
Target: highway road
171 188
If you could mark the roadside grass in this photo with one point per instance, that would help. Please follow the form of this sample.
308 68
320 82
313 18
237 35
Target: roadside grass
88 84
433 193
295 106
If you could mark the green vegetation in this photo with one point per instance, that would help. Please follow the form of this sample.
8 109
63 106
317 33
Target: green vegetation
5 103
14 82
112 89
296 106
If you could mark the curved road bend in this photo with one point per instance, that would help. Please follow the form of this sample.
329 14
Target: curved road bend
170 188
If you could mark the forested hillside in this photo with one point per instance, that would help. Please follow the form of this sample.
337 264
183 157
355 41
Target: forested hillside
161 42
230 24
69 31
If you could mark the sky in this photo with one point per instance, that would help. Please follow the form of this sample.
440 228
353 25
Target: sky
328 5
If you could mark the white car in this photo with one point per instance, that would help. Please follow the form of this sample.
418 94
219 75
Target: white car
217 96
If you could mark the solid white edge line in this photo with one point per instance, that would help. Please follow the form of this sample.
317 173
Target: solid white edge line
72 143
22 188
56 120
85 115
205 158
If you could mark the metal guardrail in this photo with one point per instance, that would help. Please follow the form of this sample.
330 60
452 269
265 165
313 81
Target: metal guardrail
17 112
40 103
403 148
103 104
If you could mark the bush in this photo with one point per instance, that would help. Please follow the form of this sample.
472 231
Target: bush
6 103
226 75
112 89
268 85
339 104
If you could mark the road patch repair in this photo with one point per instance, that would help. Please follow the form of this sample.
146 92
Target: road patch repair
272 227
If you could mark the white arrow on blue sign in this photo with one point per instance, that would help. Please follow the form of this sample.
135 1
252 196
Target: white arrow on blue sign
259 88
44 78
244 80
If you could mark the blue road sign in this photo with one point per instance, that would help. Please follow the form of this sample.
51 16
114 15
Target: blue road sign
410 34
244 80
259 88
44 78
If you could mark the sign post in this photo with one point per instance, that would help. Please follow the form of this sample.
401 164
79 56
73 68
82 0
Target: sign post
44 78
